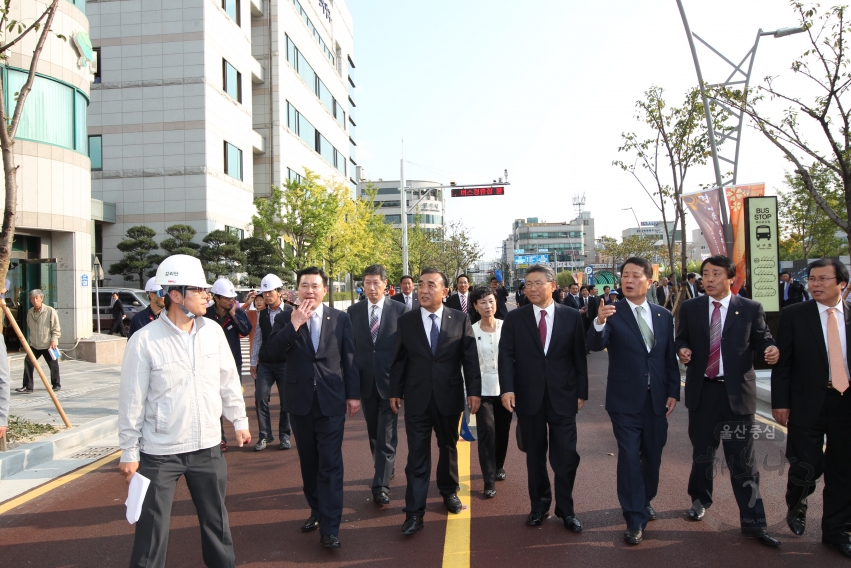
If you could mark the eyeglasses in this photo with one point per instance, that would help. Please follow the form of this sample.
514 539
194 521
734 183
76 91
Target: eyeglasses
536 284
823 279
196 289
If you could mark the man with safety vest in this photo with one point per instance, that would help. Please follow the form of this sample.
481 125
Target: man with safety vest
154 309
177 379
234 321
268 367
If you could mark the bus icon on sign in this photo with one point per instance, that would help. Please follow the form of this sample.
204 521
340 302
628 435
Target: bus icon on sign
763 232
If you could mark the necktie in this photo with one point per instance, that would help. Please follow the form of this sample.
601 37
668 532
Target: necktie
646 332
714 363
373 323
838 376
435 333
463 302
407 303
786 292
542 329
314 330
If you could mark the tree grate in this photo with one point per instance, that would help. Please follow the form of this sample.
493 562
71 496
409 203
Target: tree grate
94 452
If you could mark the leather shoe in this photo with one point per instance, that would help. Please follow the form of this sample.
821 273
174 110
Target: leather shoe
798 523
843 547
762 536
412 524
381 498
633 536
536 519
500 474
310 524
453 503
651 513
696 512
571 522
329 541
490 493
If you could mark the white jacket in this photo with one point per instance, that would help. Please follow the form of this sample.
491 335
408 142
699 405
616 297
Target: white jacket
165 406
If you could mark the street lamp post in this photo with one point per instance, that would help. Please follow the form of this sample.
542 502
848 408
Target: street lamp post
637 223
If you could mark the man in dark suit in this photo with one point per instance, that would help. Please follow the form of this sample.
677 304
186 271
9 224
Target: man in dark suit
118 316
584 302
407 295
571 300
692 290
501 295
791 292
662 292
642 390
374 323
435 343
321 386
543 375
807 396
717 334
461 299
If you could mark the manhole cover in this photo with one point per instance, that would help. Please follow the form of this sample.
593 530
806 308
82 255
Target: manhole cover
94 452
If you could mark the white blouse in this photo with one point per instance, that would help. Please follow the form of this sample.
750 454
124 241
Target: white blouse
488 347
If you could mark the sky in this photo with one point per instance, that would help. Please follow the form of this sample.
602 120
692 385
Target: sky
545 90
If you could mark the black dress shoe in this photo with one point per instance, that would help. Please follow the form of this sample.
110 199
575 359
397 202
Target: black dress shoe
500 474
696 513
381 498
633 536
453 503
762 536
536 519
572 523
329 541
651 513
844 547
24 390
310 524
412 524
490 493
798 523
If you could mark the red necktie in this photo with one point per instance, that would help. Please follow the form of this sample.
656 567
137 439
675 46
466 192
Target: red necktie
542 329
713 365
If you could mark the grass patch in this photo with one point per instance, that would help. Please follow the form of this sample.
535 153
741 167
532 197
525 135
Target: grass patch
21 430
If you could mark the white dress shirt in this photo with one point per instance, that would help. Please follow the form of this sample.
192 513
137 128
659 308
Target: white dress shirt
549 319
466 299
840 323
646 314
379 305
488 347
426 315
725 305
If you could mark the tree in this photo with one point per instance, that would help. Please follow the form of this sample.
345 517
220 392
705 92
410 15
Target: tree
40 28
137 249
633 245
424 247
806 231
221 255
564 278
457 251
180 241
260 260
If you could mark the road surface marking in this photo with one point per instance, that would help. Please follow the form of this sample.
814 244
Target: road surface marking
58 482
456 546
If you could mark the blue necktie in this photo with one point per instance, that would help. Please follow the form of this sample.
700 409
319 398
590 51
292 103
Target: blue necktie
315 323
786 292
435 333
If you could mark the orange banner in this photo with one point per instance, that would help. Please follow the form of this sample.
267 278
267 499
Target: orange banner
579 278
655 272
735 200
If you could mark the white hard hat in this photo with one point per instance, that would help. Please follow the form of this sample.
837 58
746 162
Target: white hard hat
152 286
270 282
223 287
181 270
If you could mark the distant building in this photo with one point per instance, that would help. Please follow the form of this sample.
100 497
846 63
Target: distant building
562 245
430 206
698 249
655 229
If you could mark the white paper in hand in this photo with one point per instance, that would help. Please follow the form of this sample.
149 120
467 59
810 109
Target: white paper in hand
136 496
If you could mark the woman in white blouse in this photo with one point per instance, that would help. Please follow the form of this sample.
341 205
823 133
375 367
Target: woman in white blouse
493 421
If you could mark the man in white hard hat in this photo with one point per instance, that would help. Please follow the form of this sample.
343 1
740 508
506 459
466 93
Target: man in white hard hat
177 378
268 366
234 322
157 298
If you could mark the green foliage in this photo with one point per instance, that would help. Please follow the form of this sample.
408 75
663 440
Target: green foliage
22 430
564 278
180 241
806 230
137 248
221 255
456 251
260 260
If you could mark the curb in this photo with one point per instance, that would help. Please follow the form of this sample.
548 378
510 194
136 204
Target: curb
763 386
30 455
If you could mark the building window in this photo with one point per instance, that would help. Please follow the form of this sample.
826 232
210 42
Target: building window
96 152
232 80
235 231
232 9
292 176
313 31
233 161
313 138
97 64
298 62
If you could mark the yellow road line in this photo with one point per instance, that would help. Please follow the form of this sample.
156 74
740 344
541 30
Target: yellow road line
456 546
58 482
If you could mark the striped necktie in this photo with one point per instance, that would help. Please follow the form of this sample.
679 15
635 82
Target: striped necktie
373 323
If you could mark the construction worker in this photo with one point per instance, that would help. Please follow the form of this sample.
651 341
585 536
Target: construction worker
154 309
226 312
177 379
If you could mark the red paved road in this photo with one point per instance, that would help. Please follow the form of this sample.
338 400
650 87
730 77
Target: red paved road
82 523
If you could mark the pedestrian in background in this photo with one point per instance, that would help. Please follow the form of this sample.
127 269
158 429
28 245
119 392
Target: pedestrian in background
118 316
501 295
460 300
791 291
407 295
157 302
44 332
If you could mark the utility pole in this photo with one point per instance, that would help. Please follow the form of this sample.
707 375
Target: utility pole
403 201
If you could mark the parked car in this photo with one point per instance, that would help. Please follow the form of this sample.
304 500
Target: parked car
134 301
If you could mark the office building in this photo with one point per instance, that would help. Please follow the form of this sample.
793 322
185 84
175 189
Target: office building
655 229
427 205
563 245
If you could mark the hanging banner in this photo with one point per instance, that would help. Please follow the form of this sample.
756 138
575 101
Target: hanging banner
735 200
763 255
655 272
579 278
705 206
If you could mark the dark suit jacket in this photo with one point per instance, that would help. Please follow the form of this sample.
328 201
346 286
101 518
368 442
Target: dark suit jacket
630 364
454 302
571 302
401 298
660 295
744 330
416 374
797 293
117 310
374 361
593 307
501 299
799 380
333 366
526 371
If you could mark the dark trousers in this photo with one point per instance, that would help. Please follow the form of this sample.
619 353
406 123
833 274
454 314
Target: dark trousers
382 429
808 461
269 374
493 424
206 475
29 368
705 426
418 428
319 440
641 438
118 326
541 431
